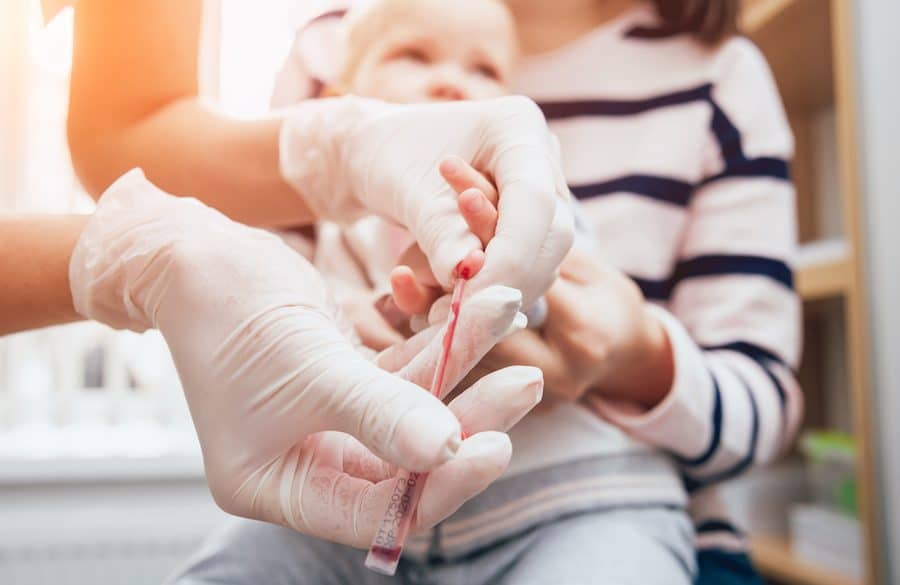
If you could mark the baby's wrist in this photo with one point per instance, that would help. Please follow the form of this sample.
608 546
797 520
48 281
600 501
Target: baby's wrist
657 361
645 371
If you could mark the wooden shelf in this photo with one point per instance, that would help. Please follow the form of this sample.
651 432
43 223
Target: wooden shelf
823 270
774 559
795 36
809 45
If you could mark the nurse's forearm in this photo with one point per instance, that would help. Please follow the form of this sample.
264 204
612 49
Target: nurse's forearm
133 103
188 149
34 264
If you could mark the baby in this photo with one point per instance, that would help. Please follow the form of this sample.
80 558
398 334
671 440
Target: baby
575 482
392 51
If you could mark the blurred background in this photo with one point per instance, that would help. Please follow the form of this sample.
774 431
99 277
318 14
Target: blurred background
100 472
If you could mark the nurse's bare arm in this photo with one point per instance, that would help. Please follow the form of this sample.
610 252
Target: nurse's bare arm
34 264
134 103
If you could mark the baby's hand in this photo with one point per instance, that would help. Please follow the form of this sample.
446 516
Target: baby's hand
477 197
370 322
414 287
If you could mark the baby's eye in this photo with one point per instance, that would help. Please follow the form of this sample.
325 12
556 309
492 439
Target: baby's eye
487 70
414 54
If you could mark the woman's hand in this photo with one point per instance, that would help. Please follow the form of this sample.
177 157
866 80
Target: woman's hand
349 156
598 337
296 427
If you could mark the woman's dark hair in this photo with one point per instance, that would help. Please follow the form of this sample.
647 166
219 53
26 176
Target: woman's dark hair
710 21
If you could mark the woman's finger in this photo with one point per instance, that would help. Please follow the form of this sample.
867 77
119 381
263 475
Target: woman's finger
460 175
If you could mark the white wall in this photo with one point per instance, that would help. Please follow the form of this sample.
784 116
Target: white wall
878 61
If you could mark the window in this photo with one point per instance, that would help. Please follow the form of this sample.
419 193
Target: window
84 390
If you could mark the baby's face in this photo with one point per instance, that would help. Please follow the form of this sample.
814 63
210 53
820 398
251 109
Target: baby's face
434 50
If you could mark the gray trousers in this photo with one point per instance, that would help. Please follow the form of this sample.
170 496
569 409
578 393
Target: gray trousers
637 546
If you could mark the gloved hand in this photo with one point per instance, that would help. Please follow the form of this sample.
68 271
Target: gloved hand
350 156
296 427
413 285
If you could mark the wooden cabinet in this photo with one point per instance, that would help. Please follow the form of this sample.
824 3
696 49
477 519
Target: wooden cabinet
810 47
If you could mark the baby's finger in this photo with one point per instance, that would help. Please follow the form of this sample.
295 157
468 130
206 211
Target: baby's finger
471 264
415 259
377 333
410 295
461 176
478 212
392 314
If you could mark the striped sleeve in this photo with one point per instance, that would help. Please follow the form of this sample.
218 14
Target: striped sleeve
733 317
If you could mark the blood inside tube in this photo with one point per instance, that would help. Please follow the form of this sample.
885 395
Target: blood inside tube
383 560
384 554
437 382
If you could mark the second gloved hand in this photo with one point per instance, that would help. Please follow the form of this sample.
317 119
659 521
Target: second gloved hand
296 427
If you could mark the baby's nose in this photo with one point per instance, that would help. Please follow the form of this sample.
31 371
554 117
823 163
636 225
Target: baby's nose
446 92
448 82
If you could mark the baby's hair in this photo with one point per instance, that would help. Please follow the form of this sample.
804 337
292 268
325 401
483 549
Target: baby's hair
710 21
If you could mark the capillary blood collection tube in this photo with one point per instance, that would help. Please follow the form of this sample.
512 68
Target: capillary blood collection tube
384 554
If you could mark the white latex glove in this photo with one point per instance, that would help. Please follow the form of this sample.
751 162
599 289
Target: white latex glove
296 427
350 156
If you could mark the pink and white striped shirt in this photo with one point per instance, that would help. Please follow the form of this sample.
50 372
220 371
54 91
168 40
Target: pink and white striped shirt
679 155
